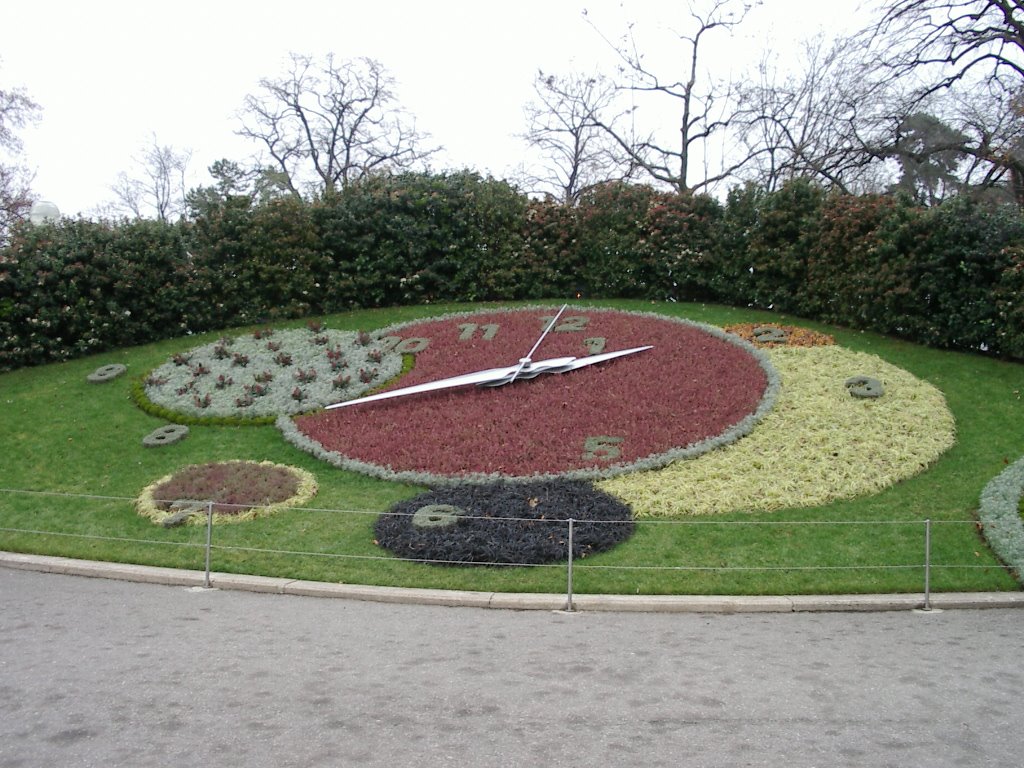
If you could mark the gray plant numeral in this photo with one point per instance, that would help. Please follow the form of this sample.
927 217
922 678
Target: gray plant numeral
864 387
487 331
769 334
411 346
567 324
602 448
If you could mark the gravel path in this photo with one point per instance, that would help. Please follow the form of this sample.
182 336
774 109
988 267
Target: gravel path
95 672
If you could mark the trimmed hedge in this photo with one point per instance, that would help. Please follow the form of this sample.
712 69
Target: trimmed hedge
420 238
82 287
949 276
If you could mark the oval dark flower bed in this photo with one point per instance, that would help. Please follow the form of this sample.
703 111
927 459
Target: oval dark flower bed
505 523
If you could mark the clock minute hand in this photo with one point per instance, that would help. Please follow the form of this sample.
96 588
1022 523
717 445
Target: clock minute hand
494 377
561 365
524 362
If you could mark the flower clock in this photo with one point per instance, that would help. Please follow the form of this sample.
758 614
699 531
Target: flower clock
510 412
653 408
523 394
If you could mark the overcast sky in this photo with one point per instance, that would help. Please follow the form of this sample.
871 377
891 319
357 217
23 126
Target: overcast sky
109 74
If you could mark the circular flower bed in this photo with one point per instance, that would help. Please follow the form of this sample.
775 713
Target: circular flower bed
695 389
239 490
504 523
817 445
271 372
1000 515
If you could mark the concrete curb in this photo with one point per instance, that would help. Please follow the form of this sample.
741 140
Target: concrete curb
512 601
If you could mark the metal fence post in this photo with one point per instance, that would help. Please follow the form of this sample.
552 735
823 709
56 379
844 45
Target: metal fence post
209 539
928 564
568 594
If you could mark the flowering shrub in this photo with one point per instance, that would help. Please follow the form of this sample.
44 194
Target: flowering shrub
523 523
240 490
210 383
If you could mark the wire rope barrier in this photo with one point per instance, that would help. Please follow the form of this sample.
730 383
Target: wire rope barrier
570 563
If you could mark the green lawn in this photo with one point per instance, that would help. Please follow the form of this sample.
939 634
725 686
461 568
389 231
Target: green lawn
63 434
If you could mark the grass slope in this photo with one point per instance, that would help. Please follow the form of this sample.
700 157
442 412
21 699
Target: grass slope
63 434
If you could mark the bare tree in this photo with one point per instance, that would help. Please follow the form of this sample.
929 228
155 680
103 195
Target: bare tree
564 125
945 42
827 120
992 122
704 107
969 56
156 185
17 111
326 124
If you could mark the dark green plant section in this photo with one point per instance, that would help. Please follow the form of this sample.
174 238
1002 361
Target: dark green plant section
948 276
505 523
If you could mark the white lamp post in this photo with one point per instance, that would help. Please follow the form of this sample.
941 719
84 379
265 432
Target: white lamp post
44 212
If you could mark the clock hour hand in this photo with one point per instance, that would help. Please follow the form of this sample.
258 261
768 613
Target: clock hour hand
477 377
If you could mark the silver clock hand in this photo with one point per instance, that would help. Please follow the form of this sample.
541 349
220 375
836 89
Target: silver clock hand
524 362
495 377
477 377
562 365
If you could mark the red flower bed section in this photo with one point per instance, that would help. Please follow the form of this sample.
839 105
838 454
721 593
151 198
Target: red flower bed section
234 486
690 387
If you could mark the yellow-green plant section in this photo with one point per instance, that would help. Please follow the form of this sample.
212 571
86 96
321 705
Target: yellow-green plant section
819 443
150 505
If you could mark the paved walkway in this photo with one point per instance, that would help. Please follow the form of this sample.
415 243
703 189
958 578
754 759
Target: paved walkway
100 672
504 600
